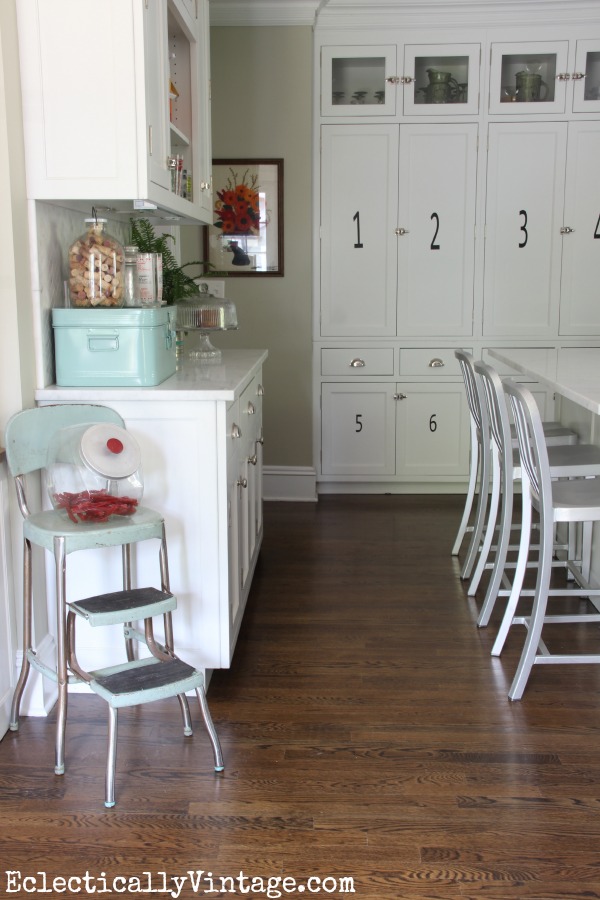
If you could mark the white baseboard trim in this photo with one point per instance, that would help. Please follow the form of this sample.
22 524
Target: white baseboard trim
290 483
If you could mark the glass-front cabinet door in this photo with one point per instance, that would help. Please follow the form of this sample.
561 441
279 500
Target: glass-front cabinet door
529 77
358 81
586 77
441 79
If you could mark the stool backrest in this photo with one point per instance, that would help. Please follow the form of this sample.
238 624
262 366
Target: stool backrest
532 444
29 432
497 412
475 397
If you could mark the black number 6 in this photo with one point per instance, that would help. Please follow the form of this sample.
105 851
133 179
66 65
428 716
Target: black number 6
432 422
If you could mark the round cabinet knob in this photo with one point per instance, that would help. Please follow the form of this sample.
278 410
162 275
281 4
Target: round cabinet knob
401 231
260 391
358 363
436 363
253 459
407 79
236 431
242 482
567 230
399 396
563 76
261 440
251 408
393 79
577 76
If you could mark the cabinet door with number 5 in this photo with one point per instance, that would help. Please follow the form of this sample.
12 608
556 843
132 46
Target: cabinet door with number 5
358 436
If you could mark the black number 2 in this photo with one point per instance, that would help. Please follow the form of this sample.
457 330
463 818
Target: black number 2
523 213
356 218
433 245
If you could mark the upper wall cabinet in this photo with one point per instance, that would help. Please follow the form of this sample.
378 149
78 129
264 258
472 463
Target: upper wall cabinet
116 102
541 77
411 80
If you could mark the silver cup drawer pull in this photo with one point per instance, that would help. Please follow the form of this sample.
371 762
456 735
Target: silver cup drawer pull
358 363
436 363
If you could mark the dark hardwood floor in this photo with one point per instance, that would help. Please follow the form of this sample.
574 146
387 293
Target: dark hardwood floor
366 732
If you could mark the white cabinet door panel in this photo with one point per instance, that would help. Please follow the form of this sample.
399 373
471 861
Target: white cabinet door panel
359 188
580 306
432 430
358 429
437 185
524 214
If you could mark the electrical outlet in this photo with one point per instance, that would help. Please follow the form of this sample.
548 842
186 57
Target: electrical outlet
211 286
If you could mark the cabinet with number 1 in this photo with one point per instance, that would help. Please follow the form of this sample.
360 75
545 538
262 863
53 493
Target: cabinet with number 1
398 229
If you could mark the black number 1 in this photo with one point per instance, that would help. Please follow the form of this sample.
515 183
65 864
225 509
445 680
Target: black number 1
356 218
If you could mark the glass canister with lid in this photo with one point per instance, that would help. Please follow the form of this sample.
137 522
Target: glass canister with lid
94 472
96 268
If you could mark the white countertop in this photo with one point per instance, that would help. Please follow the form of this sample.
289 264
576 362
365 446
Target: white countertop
572 372
192 382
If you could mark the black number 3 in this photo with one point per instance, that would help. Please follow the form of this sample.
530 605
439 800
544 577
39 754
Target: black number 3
523 213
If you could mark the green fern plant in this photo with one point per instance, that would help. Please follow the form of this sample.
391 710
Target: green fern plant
177 285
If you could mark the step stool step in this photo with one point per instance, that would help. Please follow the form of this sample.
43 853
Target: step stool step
123 606
144 680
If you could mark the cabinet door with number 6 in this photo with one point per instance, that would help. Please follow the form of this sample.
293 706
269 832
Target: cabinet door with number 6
432 430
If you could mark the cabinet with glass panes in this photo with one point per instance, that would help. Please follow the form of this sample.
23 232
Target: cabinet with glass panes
540 77
411 79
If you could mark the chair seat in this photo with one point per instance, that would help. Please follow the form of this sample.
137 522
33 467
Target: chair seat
567 461
556 434
123 606
41 529
576 501
144 680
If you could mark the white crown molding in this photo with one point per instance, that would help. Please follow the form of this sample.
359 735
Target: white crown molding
409 13
263 12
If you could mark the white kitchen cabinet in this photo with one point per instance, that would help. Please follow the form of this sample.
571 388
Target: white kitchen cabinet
194 471
359 210
409 430
580 276
100 125
524 215
436 211
542 77
397 229
411 79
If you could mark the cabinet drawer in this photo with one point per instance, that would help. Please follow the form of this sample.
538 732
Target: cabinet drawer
358 361
429 361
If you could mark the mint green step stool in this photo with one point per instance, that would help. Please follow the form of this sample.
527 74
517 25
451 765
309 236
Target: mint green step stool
28 435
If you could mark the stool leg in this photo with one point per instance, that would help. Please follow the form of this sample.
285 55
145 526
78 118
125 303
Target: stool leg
501 554
536 620
61 653
219 765
126 563
111 759
27 614
520 570
480 514
490 527
473 468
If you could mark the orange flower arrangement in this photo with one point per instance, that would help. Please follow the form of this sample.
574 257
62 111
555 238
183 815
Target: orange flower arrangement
237 207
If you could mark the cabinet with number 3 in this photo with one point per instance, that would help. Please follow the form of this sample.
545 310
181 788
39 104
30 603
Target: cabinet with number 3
542 254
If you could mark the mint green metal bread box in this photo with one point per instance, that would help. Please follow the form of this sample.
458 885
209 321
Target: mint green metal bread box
118 347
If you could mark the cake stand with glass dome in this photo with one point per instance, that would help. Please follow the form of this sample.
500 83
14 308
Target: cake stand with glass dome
205 314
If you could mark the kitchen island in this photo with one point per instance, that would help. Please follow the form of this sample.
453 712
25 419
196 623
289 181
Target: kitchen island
573 374
200 433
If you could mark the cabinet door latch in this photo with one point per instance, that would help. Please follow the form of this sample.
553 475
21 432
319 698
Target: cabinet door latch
399 396
566 230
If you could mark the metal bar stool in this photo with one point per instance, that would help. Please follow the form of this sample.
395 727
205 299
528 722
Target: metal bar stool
555 501
568 461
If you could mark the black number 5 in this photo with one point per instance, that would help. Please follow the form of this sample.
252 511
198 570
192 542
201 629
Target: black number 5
359 424
523 213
